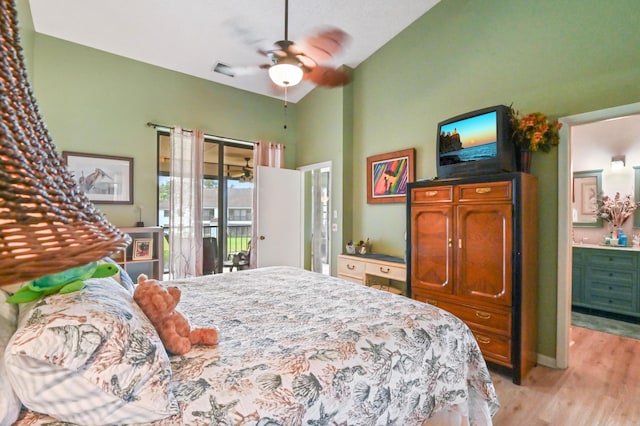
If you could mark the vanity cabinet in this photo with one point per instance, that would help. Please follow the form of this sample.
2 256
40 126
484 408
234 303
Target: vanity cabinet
473 252
606 279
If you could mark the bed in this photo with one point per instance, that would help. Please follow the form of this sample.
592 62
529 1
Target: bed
296 348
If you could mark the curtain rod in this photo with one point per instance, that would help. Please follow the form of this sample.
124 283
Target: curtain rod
207 136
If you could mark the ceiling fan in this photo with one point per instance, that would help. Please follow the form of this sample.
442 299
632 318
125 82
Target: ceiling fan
244 174
291 62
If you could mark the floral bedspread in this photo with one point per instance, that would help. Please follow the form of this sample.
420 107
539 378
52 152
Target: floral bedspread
299 348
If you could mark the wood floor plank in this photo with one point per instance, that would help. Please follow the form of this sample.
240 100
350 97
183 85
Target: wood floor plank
601 387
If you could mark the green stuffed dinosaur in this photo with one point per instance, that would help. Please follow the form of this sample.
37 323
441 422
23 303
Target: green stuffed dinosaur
63 282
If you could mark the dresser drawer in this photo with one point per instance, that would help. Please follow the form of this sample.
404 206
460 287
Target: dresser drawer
614 302
484 191
352 279
612 259
478 318
351 267
494 348
387 271
619 296
431 194
611 277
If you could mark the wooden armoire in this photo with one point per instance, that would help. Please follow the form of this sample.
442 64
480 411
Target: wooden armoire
472 250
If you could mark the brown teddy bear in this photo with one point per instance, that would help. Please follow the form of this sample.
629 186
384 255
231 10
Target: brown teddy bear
158 303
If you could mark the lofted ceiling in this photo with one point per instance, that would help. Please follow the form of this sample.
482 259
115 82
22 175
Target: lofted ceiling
192 36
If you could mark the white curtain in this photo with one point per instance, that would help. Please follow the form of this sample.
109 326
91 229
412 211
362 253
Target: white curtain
185 203
265 154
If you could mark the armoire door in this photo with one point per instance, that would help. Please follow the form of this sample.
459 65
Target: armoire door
484 252
432 251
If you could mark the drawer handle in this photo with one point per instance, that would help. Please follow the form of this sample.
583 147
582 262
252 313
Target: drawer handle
385 270
431 193
483 315
484 340
351 267
483 190
432 302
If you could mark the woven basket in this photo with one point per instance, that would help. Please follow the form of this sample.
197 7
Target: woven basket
47 224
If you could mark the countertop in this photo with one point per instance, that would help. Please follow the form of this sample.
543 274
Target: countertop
605 247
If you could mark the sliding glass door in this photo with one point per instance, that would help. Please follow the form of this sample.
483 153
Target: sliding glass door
227 199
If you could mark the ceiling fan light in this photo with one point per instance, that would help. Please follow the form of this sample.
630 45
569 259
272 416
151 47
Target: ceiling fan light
285 74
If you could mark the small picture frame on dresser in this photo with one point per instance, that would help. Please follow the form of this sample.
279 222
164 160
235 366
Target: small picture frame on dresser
142 249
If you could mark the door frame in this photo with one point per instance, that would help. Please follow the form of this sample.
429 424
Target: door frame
309 168
565 173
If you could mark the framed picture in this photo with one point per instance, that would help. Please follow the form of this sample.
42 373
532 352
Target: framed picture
142 249
388 176
105 179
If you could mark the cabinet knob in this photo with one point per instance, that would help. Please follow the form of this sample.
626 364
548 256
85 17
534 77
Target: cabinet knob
432 302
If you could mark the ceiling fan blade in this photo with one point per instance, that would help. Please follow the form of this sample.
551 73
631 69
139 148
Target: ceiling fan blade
327 76
322 46
239 71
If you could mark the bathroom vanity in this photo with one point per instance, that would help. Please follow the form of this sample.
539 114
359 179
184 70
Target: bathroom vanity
606 279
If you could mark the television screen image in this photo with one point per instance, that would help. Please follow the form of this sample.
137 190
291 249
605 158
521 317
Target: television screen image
475 143
471 139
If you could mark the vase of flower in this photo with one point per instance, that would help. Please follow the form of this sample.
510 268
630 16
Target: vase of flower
524 164
530 133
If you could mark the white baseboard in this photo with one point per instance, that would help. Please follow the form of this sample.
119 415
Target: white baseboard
547 361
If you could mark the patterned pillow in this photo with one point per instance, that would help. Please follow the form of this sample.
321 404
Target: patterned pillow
90 357
9 402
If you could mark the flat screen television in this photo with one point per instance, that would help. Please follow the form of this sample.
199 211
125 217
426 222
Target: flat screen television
475 143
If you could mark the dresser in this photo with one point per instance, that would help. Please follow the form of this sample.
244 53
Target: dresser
472 250
373 270
606 279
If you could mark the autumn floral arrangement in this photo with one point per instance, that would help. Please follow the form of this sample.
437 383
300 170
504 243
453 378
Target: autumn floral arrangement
533 131
616 210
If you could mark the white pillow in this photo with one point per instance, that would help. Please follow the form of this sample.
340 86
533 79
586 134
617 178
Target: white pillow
9 402
90 357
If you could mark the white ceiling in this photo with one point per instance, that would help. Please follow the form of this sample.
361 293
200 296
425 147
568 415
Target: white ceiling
191 36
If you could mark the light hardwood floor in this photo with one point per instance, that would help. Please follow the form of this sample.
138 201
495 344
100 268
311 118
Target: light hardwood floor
601 386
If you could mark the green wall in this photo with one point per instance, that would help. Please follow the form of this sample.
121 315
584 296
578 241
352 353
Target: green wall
560 58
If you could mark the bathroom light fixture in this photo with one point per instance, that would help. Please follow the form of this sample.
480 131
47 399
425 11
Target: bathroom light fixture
617 162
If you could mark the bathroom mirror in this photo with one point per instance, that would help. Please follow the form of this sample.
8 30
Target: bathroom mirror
587 189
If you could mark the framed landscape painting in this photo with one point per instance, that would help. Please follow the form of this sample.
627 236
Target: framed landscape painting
388 176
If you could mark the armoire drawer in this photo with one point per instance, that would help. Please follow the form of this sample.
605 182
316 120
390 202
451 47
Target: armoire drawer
432 194
488 191
494 348
482 319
